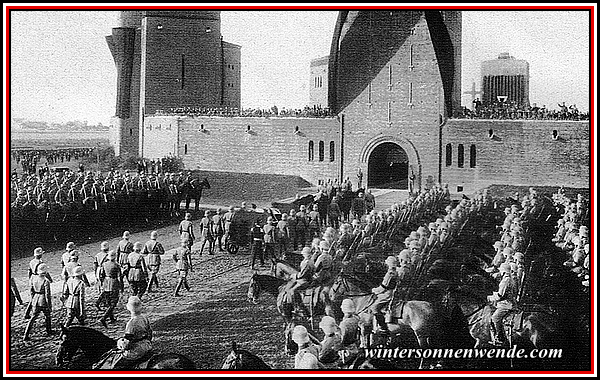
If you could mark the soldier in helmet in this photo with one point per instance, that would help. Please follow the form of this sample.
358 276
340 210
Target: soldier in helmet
308 353
384 292
301 280
186 230
138 270
183 263
36 261
98 261
124 248
109 275
227 219
349 332
137 341
206 233
41 300
332 341
153 249
269 238
505 300
67 254
74 295
218 225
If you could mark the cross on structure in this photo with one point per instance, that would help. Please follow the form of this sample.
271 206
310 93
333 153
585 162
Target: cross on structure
473 92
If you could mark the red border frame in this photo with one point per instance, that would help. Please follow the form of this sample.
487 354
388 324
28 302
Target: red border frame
590 8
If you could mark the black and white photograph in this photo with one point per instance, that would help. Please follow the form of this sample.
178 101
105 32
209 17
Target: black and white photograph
299 189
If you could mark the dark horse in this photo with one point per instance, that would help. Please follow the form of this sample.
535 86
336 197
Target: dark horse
94 345
243 360
278 288
193 190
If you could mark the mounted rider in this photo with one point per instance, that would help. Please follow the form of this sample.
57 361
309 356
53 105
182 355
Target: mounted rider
301 280
505 299
137 342
384 292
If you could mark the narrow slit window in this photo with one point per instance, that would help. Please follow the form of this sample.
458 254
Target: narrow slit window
473 156
332 151
390 80
389 112
321 151
410 93
311 150
185 149
461 155
410 57
448 154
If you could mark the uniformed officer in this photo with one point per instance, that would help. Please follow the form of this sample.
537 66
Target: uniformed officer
323 264
41 300
227 219
385 292
137 341
283 235
332 341
186 230
349 332
183 263
36 261
153 249
66 256
257 234
70 267
301 226
302 280
74 296
218 225
269 238
98 261
505 299
292 224
124 248
138 270
314 222
308 353
206 233
109 275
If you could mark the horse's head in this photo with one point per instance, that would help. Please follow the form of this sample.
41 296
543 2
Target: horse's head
67 347
253 289
205 184
291 348
233 360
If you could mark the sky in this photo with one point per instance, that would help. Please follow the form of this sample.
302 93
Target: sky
61 68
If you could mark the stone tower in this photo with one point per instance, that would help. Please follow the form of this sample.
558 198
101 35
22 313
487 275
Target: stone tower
167 60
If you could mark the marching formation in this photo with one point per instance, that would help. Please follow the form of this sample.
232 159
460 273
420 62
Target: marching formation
69 206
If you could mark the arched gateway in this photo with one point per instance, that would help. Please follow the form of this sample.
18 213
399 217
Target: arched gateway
391 163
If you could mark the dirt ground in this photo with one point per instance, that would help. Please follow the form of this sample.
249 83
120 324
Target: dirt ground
201 324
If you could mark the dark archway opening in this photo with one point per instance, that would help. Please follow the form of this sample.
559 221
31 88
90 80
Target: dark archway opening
388 167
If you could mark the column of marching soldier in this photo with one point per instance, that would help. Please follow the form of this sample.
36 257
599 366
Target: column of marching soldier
64 206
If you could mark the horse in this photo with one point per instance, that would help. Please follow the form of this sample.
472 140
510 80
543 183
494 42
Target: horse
243 360
282 269
95 347
193 190
279 289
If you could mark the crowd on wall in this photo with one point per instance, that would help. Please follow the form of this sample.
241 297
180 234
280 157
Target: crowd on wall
315 112
514 111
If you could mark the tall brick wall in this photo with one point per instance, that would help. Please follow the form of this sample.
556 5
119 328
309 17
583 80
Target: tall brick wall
403 104
272 146
520 153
